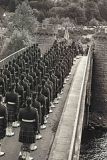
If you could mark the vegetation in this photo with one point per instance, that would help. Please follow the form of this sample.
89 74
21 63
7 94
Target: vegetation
80 12
20 29
85 40
17 41
93 22
26 14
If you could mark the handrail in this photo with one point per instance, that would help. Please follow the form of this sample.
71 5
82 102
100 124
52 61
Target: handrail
15 54
5 60
71 151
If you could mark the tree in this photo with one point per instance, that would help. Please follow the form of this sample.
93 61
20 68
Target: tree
81 18
75 1
40 17
42 5
59 11
4 2
92 10
12 5
93 22
24 18
17 41
36 12
63 3
102 5
75 12
1 13
54 20
20 29
66 22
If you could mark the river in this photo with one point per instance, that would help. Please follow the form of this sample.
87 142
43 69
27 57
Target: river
94 145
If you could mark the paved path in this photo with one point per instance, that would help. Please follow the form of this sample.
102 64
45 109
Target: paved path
11 145
65 135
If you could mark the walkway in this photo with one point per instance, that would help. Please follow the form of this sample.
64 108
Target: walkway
64 141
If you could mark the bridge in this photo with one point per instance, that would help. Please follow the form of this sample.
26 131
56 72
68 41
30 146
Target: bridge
62 138
66 145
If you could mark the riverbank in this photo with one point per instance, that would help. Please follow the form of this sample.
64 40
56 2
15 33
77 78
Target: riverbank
97 121
94 139
94 145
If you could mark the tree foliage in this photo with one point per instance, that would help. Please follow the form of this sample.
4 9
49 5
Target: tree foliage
42 5
20 29
1 13
12 5
80 11
17 41
40 17
93 22
57 11
92 10
54 20
103 9
24 18
75 12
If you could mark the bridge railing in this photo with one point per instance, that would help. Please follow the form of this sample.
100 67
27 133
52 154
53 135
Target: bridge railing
44 46
77 132
11 57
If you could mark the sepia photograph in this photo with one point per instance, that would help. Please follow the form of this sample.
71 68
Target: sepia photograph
53 72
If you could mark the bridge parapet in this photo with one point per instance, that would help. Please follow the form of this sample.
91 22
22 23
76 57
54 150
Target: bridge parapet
66 145
82 115
44 46
11 57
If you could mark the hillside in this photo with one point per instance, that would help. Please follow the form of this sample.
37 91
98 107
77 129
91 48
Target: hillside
78 11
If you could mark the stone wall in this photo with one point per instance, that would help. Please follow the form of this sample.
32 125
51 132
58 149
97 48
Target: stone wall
99 78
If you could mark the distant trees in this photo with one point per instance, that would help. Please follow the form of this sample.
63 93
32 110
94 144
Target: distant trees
103 9
20 29
92 10
76 1
43 6
75 12
4 2
1 13
63 3
24 18
67 22
93 22
17 41
57 11
40 17
81 17
80 11
54 20
12 5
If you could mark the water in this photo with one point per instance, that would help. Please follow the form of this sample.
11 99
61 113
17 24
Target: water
94 145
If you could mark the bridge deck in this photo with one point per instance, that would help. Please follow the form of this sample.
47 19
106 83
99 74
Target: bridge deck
11 145
65 135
